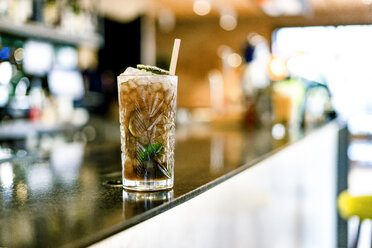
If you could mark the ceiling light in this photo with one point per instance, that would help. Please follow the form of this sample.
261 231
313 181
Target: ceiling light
202 7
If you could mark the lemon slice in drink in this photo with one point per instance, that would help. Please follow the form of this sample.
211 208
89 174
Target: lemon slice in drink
137 123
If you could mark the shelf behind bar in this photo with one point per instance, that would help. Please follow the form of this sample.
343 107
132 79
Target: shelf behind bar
39 31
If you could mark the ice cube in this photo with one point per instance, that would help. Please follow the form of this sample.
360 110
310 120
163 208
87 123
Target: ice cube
135 71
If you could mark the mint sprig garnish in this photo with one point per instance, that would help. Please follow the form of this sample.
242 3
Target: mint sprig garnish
152 69
151 154
151 151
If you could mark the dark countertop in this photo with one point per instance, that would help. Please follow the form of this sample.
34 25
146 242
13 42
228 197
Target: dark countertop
68 194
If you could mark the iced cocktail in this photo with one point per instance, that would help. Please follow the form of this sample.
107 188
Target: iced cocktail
147 105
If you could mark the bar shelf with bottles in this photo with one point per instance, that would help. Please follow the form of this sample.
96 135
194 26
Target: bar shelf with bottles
58 21
41 78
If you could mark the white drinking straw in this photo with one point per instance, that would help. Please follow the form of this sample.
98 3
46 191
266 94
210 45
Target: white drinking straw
173 63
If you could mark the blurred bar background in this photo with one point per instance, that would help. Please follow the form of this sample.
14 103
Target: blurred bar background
278 64
292 62
284 65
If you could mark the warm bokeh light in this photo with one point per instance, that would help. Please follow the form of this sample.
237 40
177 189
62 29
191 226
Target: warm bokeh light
18 55
223 51
87 57
228 22
234 60
202 7
277 69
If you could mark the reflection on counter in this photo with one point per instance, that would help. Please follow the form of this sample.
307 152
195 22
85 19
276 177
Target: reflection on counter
135 203
27 190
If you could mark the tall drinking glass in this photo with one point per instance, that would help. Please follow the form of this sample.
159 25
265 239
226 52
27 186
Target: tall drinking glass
147 105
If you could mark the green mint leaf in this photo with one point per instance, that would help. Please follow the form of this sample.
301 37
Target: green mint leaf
151 154
151 151
152 69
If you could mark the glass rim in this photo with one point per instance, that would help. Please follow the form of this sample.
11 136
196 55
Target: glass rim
152 75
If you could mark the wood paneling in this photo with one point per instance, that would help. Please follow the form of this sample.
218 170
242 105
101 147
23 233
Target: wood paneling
198 53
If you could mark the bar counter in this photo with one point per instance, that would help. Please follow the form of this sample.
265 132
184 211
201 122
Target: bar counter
70 196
